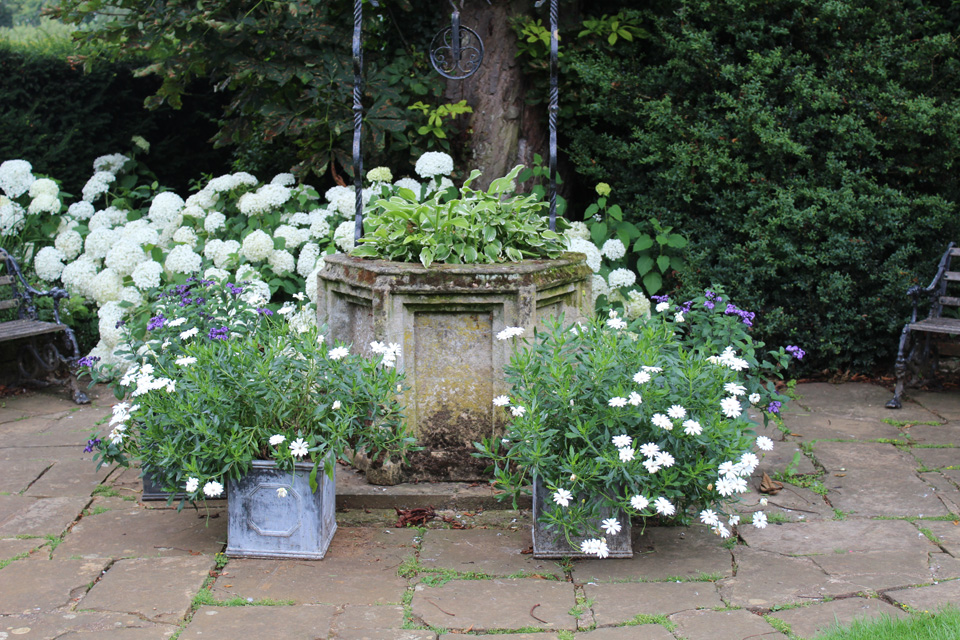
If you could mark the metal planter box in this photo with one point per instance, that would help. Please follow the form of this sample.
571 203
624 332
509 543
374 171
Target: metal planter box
551 544
261 524
153 492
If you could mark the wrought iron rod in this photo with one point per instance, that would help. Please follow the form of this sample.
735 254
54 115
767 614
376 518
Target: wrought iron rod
554 109
358 114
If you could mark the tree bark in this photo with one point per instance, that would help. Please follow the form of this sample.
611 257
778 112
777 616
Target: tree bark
503 131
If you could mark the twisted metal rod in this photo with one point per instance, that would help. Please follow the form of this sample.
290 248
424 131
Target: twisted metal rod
358 112
554 109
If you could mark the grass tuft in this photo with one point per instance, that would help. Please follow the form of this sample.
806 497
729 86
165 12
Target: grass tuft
942 625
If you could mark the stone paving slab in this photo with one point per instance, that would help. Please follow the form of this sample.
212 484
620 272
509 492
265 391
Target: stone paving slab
83 626
850 456
765 580
807 622
943 403
386 634
17 475
489 551
69 477
506 604
934 434
157 589
948 532
945 490
137 532
783 455
883 493
724 625
847 535
795 503
37 585
660 553
937 458
513 636
368 617
879 570
13 547
953 475
621 602
819 427
20 515
641 632
928 598
291 623
858 401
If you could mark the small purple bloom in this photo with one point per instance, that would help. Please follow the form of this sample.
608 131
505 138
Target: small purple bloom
264 311
218 334
685 307
731 309
661 298
87 361
796 352
235 290
774 407
709 305
156 322
709 294
91 444
119 324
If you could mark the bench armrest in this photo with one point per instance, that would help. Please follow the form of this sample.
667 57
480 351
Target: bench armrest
27 292
935 289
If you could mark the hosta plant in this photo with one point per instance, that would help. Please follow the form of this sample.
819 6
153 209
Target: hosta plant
626 417
461 226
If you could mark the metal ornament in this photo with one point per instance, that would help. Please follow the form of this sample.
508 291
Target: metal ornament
456 51
358 113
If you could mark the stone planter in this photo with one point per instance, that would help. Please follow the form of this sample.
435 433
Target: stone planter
261 524
446 319
153 492
551 544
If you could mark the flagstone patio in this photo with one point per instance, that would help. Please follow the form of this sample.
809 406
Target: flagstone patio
869 525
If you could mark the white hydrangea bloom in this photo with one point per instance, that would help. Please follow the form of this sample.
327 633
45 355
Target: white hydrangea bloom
320 229
132 295
380 174
110 333
307 261
141 233
69 243
192 211
214 222
220 275
107 218
97 185
637 305
408 183
299 219
265 199
283 179
579 245
292 236
16 177
44 187
342 199
99 241
124 256
257 246
182 259
227 254
204 199
303 320
578 230
622 278
614 249
343 236
11 216
165 208
185 235
311 282
146 275
141 143
78 276
255 292
81 210
111 163
44 203
434 163
246 272
282 261
106 286
48 263
600 287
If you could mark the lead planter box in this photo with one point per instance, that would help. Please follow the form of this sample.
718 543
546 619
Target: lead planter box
549 543
261 524
446 319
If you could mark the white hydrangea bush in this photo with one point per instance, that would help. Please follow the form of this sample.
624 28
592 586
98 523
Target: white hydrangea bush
112 246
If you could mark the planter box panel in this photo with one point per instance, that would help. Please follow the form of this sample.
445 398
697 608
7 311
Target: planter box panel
551 544
261 524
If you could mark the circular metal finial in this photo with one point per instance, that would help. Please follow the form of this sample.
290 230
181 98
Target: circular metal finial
456 51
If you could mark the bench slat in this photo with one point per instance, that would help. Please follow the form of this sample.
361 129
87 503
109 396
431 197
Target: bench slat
950 301
937 325
955 251
952 276
8 304
6 280
16 329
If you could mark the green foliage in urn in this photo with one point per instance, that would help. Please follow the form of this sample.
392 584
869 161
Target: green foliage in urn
496 225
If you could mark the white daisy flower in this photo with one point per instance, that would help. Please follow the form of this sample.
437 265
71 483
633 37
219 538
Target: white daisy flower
641 377
277 439
731 407
764 443
734 389
298 448
635 399
611 526
192 485
212 489
562 497
517 411
622 441
649 450
692 428
759 519
662 421
626 454
664 506
639 502
677 412
501 401
338 353
617 402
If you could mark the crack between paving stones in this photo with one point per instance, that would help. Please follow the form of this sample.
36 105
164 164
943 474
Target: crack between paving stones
34 481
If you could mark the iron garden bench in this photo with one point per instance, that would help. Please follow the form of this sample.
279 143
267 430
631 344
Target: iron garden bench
918 355
40 345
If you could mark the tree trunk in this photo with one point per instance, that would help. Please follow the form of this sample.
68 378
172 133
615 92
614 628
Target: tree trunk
503 130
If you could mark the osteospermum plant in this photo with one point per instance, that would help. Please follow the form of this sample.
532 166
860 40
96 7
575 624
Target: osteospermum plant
615 416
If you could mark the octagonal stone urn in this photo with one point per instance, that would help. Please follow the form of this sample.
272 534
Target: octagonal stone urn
446 319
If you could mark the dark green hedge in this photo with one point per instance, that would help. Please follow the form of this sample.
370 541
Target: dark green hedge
808 149
60 119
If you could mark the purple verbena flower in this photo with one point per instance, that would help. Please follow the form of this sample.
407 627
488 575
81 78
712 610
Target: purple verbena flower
796 352
264 311
87 361
708 294
156 322
235 290
661 298
119 324
218 334
91 444
709 305
774 407
685 307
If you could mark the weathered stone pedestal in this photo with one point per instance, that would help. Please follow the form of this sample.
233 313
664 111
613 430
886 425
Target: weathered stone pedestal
446 319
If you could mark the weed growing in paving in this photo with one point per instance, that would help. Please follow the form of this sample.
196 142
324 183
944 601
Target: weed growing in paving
97 510
922 626
931 536
899 424
19 556
775 517
646 618
779 625
840 514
